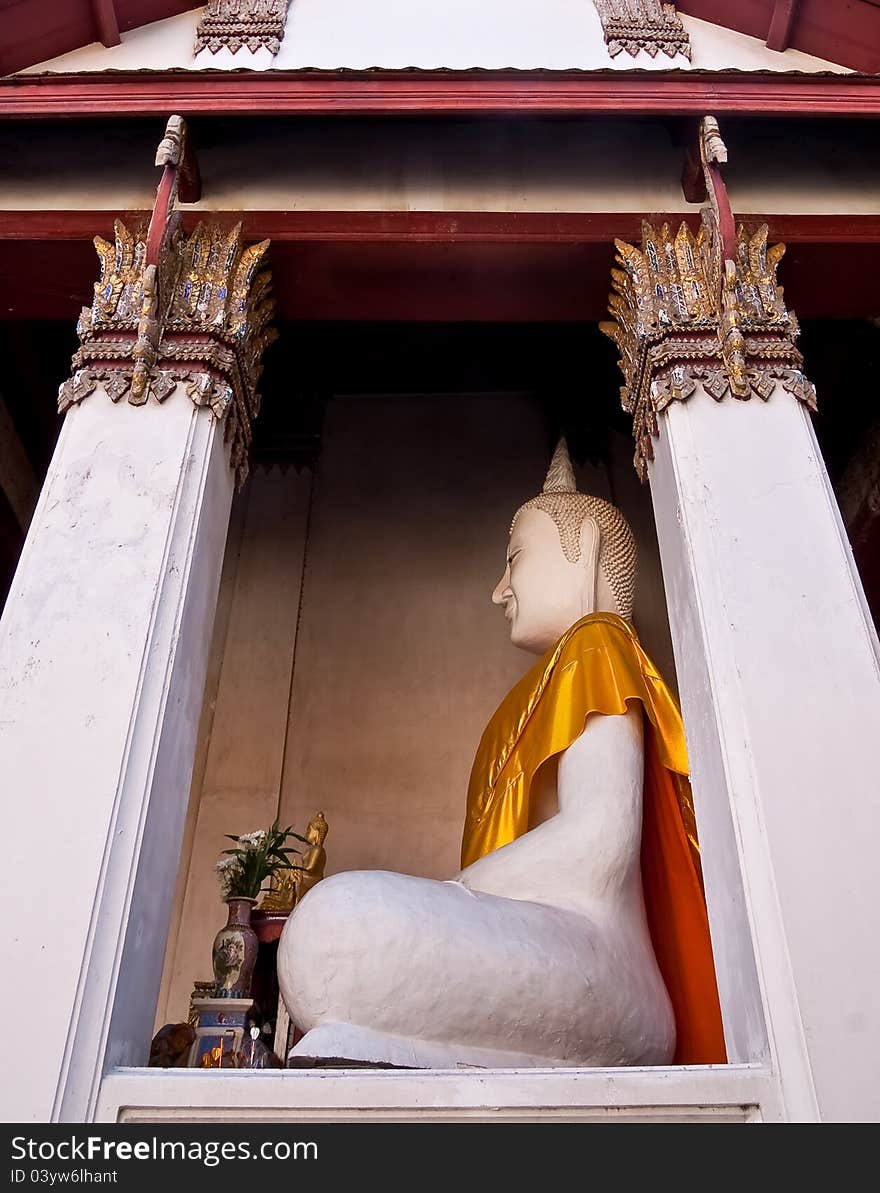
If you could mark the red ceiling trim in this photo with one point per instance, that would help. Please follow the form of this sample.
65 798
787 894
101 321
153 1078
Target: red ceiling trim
432 227
428 93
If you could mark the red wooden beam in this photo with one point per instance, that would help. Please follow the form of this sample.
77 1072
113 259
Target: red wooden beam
713 154
726 219
34 31
781 24
158 229
436 227
487 93
842 31
779 35
459 282
106 22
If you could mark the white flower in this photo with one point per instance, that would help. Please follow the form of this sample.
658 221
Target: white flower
227 869
253 840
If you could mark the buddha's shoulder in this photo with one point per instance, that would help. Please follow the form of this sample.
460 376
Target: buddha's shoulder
594 631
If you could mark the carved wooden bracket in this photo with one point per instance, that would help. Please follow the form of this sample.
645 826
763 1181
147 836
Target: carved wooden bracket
177 153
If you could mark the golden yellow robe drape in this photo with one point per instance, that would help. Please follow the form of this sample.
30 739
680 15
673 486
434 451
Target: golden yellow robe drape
598 666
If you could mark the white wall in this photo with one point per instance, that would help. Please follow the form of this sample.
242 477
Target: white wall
458 34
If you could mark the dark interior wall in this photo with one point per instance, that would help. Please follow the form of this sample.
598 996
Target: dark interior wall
570 367
842 359
36 358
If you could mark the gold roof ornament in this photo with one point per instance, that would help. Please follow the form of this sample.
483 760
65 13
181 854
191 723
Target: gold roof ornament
231 24
649 25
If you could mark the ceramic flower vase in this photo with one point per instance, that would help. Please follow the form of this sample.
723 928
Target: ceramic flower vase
235 951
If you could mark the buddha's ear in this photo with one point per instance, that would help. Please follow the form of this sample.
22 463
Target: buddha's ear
589 561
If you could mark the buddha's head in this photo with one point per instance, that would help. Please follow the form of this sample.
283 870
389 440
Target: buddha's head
569 555
317 830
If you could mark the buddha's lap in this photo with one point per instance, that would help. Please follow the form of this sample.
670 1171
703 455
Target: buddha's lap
361 939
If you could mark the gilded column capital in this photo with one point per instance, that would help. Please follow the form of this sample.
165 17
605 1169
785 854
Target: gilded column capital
202 316
682 313
172 308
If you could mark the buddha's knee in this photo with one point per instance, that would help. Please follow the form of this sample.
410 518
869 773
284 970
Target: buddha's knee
335 953
353 902
337 904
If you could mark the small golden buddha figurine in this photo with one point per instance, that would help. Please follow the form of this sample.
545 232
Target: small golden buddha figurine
281 896
315 858
289 886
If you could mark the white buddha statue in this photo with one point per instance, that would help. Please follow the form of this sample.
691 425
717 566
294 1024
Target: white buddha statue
539 952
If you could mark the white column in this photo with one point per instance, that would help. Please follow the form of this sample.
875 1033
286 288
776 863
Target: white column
103 649
778 666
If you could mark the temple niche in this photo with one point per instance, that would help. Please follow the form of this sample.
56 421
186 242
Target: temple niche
425 207
357 654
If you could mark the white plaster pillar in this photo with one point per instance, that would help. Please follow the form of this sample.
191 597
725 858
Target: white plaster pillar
103 649
778 668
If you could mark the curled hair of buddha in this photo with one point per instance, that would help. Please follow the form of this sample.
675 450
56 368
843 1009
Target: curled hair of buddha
569 509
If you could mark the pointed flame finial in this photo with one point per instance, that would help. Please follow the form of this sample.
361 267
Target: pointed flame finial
560 474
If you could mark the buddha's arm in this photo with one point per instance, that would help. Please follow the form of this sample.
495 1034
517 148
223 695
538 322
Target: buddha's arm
597 829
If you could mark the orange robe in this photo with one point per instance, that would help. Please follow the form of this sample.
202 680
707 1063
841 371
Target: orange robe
598 666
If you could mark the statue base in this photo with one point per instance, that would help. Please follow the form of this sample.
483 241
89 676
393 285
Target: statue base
339 1062
327 1045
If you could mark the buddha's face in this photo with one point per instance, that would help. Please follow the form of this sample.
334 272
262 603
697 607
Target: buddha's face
542 592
